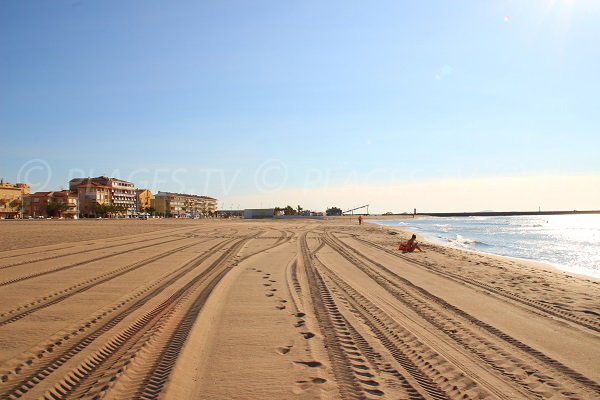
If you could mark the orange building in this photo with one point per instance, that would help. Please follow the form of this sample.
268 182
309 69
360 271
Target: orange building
38 202
50 204
89 195
145 199
184 205
120 193
11 199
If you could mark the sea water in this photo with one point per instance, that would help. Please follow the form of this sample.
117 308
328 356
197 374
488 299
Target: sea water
569 242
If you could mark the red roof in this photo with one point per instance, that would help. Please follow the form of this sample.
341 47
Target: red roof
92 184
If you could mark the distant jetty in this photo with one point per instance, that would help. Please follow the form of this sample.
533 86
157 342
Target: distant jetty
506 213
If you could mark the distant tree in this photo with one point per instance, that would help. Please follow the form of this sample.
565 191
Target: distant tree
299 209
187 206
333 211
277 210
62 207
56 209
102 210
118 209
288 210
150 210
16 204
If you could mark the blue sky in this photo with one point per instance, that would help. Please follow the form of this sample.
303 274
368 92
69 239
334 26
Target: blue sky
251 101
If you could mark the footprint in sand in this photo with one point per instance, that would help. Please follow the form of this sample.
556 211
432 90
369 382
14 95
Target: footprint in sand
302 386
281 305
284 349
311 364
307 335
268 294
317 381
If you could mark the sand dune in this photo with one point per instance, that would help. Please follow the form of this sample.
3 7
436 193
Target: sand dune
283 310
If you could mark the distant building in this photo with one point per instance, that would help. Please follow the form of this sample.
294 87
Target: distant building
145 199
42 202
258 213
184 205
11 199
39 201
91 195
230 213
104 190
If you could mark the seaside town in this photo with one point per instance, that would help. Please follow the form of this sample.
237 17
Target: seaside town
104 197
100 197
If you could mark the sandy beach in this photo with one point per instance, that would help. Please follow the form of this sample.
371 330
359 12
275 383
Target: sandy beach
294 309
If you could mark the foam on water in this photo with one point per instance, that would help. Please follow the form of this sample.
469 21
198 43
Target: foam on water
570 242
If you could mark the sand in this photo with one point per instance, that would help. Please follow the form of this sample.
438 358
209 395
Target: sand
295 309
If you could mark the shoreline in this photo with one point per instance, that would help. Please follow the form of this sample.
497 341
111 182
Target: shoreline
542 264
508 213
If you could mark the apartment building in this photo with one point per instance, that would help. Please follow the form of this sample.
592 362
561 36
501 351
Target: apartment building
90 195
184 205
104 190
145 199
62 203
11 199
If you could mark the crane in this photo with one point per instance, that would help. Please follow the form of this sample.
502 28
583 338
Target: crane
357 208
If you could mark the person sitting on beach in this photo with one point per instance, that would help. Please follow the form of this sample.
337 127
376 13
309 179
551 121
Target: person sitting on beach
411 245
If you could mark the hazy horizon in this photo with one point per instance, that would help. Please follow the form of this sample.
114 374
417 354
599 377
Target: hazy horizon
432 105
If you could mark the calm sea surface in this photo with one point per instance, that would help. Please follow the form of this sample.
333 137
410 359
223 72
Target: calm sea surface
570 242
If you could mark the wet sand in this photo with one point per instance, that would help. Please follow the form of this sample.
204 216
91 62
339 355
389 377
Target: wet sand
296 309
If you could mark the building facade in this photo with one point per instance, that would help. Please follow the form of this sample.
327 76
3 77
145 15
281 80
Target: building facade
11 199
184 205
145 199
104 191
122 193
39 201
90 195
62 204
259 213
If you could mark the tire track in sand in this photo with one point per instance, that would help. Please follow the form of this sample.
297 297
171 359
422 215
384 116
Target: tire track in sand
48 358
529 368
499 292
